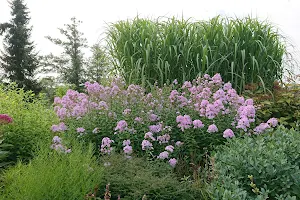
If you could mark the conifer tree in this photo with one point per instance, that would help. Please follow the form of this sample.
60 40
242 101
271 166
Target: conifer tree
19 60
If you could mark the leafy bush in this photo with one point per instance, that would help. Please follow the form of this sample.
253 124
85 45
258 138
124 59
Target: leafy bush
133 178
171 122
32 121
242 50
283 104
254 167
54 175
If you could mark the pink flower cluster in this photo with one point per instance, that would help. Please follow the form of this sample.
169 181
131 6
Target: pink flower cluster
121 126
5 119
58 146
184 122
127 148
106 145
60 127
204 102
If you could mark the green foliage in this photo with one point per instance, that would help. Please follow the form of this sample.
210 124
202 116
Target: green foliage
3 154
19 61
70 64
32 121
266 165
133 178
98 66
283 103
52 175
242 50
61 90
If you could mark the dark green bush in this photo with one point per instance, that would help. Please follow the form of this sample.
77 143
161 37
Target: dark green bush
32 121
54 176
133 178
242 50
272 160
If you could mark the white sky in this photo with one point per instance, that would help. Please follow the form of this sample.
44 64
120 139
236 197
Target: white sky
48 15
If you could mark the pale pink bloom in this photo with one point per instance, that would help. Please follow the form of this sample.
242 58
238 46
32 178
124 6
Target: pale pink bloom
228 133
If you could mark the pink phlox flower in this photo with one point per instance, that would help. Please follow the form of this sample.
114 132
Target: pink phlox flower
261 128
80 130
227 86
127 149
121 126
56 139
149 135
219 95
249 102
126 142
243 123
228 133
146 145
184 122
217 79
198 123
212 128
163 155
169 148
272 122
179 143
173 96
102 105
187 84
127 111
106 145
138 119
153 117
206 76
162 139
173 162
211 111
156 128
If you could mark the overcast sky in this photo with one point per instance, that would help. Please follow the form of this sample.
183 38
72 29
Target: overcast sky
48 15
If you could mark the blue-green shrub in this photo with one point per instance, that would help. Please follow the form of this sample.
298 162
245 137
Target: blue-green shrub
272 161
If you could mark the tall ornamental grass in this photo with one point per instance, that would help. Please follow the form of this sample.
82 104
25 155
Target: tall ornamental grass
243 51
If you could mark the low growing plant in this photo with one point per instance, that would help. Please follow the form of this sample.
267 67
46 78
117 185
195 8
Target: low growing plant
54 175
259 167
136 178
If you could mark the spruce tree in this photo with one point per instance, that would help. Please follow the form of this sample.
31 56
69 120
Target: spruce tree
19 60
70 65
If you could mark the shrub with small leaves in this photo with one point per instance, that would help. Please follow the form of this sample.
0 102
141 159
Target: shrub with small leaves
266 165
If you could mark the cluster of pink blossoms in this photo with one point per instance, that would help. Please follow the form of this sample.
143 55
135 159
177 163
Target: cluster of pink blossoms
58 146
106 147
127 148
60 127
184 122
5 119
208 97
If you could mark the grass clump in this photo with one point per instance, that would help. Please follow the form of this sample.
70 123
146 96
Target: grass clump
53 175
242 50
